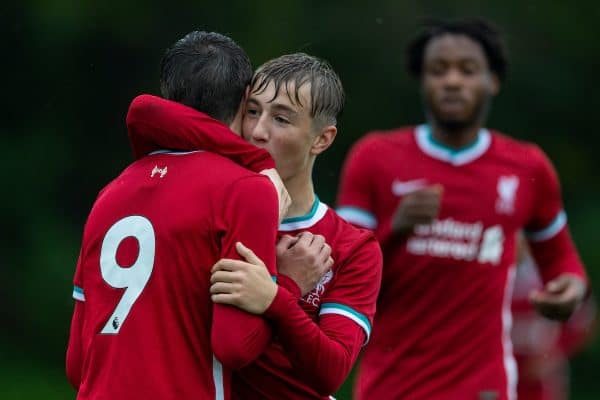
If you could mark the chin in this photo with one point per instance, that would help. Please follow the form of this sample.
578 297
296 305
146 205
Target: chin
453 124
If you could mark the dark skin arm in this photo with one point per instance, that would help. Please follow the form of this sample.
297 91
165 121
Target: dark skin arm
560 297
419 207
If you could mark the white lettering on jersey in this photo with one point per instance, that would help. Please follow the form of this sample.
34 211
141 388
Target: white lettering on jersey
451 229
400 188
314 297
492 245
156 170
442 248
507 191
458 240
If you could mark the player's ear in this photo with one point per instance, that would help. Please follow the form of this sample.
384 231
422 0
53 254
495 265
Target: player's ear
323 140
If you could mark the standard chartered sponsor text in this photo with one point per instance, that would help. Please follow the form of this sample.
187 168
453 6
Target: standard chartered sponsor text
449 238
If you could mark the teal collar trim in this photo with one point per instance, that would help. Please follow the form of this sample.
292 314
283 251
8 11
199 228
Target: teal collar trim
304 217
440 151
316 213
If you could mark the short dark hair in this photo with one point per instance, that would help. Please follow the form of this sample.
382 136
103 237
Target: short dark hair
326 90
207 71
479 30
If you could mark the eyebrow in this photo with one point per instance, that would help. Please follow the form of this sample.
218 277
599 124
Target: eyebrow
276 106
460 59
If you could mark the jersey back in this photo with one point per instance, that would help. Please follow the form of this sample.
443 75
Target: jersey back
144 276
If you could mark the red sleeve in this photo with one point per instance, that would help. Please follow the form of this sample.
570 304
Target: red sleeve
290 285
326 352
547 230
557 256
74 349
356 201
154 123
74 361
358 280
250 215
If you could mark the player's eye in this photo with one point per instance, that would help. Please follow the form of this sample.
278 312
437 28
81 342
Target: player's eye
469 68
437 69
251 112
281 120
469 71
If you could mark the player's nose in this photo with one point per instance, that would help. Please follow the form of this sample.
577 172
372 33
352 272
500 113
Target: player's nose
453 78
260 131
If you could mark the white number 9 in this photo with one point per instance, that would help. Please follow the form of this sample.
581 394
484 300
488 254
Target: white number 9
133 278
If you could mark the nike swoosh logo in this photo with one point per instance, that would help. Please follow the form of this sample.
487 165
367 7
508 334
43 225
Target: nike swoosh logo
400 188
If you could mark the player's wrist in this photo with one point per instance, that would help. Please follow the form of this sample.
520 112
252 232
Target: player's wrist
401 232
290 285
280 305
270 297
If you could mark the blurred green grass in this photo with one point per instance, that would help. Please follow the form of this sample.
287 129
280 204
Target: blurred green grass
29 380
22 380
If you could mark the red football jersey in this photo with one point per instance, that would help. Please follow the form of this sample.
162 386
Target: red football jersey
144 324
153 120
442 329
343 306
318 337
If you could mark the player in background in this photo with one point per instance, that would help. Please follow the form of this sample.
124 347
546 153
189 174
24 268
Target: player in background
144 325
543 347
446 199
292 112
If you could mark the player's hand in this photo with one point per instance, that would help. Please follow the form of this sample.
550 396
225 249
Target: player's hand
282 194
418 207
304 258
560 297
243 284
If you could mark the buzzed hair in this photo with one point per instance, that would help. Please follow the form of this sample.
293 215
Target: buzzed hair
326 91
477 29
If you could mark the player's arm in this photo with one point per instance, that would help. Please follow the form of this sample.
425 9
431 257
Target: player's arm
74 349
249 216
580 328
553 249
74 361
155 123
356 201
302 261
420 206
324 352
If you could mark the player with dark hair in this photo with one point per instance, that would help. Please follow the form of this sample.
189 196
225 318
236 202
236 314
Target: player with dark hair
445 199
292 112
481 31
144 326
205 71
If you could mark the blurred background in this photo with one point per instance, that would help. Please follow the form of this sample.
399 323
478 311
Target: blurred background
71 68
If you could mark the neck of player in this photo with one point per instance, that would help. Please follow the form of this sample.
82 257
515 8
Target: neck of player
456 137
301 190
